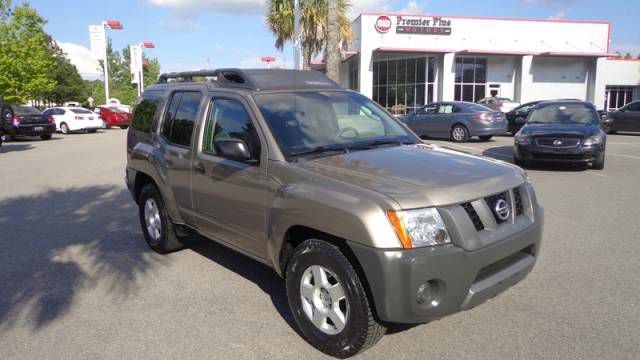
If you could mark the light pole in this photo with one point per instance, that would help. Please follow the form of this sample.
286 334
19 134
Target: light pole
138 70
113 25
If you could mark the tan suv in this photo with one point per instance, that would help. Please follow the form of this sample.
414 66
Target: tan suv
368 225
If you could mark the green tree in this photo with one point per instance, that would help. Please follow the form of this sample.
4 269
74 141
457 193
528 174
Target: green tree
313 24
69 84
25 60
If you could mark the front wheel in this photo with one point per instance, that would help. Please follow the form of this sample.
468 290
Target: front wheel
329 302
459 133
158 230
598 164
485 138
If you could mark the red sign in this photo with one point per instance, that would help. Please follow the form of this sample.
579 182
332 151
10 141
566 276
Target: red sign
383 24
114 24
148 45
268 59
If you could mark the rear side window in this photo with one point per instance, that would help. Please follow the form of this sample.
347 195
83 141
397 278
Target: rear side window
145 111
634 106
181 117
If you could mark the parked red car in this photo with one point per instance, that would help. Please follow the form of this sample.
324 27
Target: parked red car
112 116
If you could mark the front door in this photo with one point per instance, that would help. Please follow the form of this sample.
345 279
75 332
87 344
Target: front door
422 123
230 196
444 119
629 119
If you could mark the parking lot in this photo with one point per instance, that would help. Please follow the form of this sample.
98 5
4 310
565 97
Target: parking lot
77 280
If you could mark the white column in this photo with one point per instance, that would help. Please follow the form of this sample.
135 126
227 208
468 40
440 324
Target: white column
446 77
524 77
365 70
596 85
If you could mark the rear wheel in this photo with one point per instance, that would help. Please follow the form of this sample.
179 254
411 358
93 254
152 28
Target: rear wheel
158 230
105 124
124 127
64 128
485 138
45 137
329 302
459 133
92 131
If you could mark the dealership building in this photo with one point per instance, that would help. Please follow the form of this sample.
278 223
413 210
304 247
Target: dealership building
404 61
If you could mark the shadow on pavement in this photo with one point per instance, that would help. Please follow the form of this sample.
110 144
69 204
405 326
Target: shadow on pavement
12 147
60 243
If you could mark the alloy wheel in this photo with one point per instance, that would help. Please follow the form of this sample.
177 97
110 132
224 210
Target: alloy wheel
323 300
152 219
458 134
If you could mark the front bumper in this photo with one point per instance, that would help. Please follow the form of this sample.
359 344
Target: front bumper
419 285
32 130
577 154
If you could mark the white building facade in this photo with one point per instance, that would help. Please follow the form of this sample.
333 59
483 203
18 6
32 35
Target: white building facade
405 61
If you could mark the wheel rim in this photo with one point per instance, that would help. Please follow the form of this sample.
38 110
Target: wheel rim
64 128
152 220
323 300
458 133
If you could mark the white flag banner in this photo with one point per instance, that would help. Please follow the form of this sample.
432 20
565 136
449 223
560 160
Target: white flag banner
98 42
135 54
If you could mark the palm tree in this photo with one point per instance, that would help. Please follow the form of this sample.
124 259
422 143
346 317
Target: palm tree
313 25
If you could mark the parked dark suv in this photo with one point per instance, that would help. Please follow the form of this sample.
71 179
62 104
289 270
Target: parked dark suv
367 224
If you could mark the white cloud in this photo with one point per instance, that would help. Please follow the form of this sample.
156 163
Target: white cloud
80 56
559 15
360 6
223 6
413 7
182 24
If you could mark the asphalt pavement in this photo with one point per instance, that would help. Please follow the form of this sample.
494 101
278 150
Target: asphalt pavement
77 280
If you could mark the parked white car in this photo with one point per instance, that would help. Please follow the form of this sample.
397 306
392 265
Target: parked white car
70 119
499 104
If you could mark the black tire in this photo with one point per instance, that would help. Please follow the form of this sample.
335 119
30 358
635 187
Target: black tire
92 131
64 128
485 138
612 132
168 240
105 124
361 329
462 130
45 137
598 164
124 127
520 162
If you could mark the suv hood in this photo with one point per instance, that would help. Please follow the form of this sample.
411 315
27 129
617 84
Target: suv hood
418 176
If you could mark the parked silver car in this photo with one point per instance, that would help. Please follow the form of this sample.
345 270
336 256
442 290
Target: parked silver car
456 120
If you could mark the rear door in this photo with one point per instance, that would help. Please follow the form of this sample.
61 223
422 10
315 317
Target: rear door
176 135
230 196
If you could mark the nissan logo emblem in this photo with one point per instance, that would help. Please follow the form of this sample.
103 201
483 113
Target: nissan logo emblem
383 24
502 209
557 142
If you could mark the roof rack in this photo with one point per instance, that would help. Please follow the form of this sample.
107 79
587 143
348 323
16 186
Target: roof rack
256 79
224 77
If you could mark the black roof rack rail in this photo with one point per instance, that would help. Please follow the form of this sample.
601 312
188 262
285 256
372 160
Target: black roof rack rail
224 77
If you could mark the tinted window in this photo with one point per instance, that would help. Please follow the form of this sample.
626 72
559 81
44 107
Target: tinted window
634 107
167 124
145 111
26 110
564 113
80 111
185 118
228 119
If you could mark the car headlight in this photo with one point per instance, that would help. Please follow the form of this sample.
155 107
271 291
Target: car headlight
522 139
592 140
419 227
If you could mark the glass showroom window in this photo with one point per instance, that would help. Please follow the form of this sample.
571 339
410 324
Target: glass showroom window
618 96
353 74
403 85
471 79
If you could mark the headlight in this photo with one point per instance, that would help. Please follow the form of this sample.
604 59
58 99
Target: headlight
592 140
420 227
522 139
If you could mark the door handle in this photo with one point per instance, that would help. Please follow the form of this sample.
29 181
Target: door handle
199 168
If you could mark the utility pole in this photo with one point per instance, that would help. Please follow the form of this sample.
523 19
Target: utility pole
113 25
333 41
297 43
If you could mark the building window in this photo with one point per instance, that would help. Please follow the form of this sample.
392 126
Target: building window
353 75
471 79
618 96
403 85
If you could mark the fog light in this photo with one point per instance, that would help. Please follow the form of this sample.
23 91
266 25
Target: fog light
430 293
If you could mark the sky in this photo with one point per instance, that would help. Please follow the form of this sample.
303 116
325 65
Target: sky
207 34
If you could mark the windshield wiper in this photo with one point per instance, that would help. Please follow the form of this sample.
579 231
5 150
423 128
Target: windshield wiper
383 142
323 149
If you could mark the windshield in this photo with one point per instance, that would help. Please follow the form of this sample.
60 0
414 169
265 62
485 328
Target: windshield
564 113
80 111
304 121
27 110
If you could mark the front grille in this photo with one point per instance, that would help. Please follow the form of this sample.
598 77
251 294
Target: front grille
517 198
473 215
542 156
492 201
558 142
504 263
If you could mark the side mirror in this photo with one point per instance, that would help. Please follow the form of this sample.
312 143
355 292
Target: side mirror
233 149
